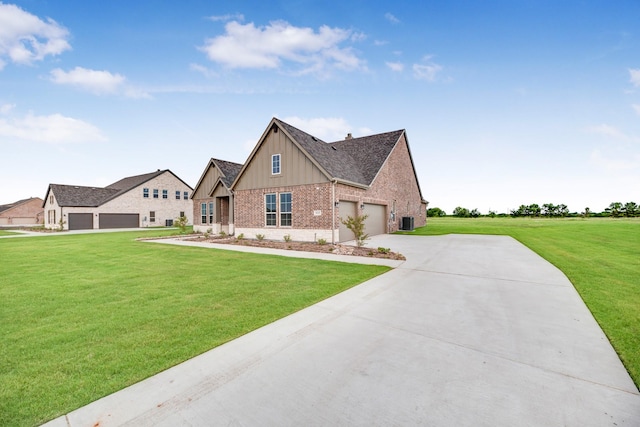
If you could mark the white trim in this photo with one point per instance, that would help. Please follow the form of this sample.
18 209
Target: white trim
273 156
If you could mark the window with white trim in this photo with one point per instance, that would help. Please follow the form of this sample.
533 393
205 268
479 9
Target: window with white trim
275 164
185 195
270 210
285 209
178 195
165 194
203 213
155 193
145 193
210 212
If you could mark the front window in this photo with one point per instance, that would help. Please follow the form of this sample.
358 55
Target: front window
185 195
285 209
155 193
152 216
203 213
145 193
275 164
210 212
177 195
165 194
270 206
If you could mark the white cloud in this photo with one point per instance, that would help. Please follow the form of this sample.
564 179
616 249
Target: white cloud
52 129
96 82
634 75
328 129
428 71
248 46
6 108
609 131
395 66
636 108
203 70
25 38
389 17
227 17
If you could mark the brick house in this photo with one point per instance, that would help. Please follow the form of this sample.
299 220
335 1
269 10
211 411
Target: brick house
298 185
152 199
213 201
23 212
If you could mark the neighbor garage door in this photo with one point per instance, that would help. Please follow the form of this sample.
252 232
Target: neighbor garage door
80 221
119 220
345 210
376 222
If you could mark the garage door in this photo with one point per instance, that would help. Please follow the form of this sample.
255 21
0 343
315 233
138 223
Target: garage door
80 221
345 210
116 220
376 222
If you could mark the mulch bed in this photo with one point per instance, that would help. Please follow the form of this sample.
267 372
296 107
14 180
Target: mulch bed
336 249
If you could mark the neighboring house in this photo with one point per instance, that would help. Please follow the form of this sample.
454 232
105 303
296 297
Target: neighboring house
152 199
298 185
23 212
212 198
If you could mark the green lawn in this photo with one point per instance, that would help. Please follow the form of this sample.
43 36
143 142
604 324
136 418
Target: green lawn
601 257
85 315
7 233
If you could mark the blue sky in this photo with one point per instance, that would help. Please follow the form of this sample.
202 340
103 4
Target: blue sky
504 102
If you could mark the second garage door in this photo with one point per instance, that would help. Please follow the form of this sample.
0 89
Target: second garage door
119 220
376 222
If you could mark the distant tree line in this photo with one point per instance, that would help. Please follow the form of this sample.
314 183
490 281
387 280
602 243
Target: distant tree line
548 210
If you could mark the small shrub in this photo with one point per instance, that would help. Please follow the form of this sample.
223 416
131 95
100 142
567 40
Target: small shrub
322 241
260 237
206 234
384 250
356 225
240 236
181 222
287 238
222 233
61 224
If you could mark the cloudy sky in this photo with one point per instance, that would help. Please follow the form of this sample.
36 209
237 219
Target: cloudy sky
504 102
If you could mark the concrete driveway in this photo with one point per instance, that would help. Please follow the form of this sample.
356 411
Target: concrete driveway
469 331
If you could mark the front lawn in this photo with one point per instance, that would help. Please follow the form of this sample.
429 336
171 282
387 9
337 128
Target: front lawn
601 257
89 314
7 233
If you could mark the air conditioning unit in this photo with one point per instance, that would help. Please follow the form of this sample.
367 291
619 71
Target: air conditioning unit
407 223
168 223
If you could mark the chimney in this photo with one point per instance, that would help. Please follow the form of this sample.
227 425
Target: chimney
349 136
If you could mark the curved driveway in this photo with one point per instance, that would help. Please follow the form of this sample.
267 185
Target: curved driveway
469 331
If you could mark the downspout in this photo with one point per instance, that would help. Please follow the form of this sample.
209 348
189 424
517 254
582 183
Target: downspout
333 211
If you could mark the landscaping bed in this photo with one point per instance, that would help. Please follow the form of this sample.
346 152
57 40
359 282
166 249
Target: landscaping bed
329 248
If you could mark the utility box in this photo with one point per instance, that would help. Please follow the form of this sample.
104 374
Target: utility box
407 223
168 223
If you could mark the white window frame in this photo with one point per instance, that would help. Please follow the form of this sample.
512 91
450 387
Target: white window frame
276 164
203 213
274 213
283 212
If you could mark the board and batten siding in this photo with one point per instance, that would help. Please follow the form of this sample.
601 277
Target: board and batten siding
210 178
295 167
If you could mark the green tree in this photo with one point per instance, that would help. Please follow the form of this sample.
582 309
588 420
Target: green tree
563 210
181 222
534 209
356 225
461 212
630 209
475 213
432 212
614 209
549 209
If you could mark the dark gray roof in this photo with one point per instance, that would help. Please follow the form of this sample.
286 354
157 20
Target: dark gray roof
356 160
75 195
229 171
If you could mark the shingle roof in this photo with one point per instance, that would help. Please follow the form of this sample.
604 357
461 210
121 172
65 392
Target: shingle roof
75 195
14 204
356 160
229 171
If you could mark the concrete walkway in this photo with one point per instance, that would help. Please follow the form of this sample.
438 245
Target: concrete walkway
469 331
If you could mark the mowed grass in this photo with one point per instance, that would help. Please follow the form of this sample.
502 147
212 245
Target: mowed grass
85 315
7 233
601 257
